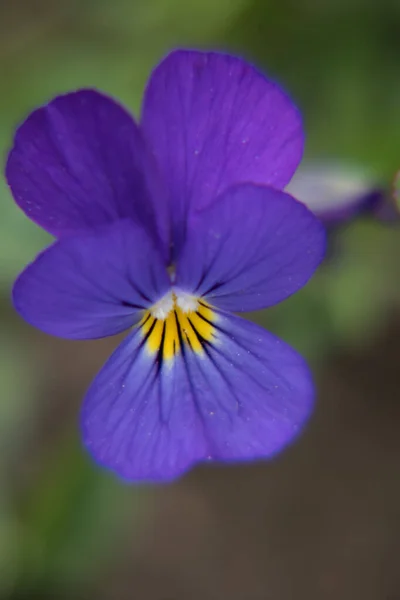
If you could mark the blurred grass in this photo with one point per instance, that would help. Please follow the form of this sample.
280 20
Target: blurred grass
340 61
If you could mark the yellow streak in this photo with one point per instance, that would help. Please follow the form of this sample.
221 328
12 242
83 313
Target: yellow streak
189 335
155 337
146 322
171 343
204 329
189 325
205 311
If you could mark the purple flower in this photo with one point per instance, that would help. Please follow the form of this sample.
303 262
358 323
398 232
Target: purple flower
339 193
165 228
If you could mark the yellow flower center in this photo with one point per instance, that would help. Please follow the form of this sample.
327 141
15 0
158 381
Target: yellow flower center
178 321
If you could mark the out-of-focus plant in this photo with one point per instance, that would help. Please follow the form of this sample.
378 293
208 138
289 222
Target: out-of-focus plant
349 89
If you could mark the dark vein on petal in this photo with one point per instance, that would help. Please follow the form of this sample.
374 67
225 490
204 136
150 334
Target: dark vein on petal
147 335
159 356
227 411
197 402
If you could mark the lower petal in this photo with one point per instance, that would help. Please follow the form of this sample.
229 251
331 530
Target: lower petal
240 395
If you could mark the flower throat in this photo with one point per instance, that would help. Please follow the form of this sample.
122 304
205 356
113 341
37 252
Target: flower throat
178 322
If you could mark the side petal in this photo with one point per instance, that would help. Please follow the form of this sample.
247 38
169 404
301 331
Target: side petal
212 120
92 285
254 247
80 161
242 397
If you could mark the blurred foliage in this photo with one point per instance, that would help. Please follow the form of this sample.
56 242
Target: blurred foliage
339 60
396 190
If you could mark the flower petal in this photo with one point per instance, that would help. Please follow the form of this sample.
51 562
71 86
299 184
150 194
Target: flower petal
336 193
243 397
92 285
254 247
79 162
212 120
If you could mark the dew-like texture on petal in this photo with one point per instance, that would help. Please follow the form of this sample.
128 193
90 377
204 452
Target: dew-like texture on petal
92 285
212 120
254 247
80 161
244 398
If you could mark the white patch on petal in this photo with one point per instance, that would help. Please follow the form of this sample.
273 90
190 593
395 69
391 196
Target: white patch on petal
175 298
186 302
162 308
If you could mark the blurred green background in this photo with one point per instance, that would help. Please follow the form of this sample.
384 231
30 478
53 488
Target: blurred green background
322 520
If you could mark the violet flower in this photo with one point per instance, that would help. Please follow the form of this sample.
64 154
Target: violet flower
165 227
339 193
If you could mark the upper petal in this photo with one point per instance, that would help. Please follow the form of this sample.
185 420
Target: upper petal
252 248
212 120
92 285
241 396
79 162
